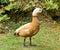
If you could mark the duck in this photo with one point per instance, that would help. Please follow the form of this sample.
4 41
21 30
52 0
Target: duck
30 29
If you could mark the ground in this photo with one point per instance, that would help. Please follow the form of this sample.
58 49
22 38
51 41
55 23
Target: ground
48 38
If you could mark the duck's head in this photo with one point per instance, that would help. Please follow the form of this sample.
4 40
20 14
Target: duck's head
36 11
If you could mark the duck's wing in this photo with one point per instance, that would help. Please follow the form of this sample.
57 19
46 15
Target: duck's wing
23 27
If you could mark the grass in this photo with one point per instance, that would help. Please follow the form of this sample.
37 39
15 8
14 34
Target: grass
48 38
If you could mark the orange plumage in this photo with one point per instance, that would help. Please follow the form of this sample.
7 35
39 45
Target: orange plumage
30 29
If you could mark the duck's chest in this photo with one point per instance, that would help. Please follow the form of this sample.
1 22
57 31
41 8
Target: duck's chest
35 29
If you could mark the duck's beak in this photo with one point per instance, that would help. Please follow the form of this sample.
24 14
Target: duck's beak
43 12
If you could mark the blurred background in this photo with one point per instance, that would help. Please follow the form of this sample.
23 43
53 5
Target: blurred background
15 13
20 11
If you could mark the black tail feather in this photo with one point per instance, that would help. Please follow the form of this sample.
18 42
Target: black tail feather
15 34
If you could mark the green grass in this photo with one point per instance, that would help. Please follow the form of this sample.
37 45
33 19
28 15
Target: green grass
48 38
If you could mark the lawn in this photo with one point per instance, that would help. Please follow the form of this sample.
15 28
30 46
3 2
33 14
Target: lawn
48 38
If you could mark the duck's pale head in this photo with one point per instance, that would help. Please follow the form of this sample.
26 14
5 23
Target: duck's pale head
36 11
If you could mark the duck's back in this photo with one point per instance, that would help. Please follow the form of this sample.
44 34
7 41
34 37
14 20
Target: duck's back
28 30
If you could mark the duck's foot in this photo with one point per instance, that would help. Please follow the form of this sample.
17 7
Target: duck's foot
25 46
33 45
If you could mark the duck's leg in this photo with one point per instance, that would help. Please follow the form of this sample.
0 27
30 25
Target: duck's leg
30 41
24 42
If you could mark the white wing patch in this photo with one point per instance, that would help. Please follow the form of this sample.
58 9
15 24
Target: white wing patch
27 31
22 27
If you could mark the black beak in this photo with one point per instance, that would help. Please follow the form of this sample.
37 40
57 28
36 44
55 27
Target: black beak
42 12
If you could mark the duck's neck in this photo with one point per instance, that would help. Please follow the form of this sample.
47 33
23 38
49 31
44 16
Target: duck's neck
35 20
